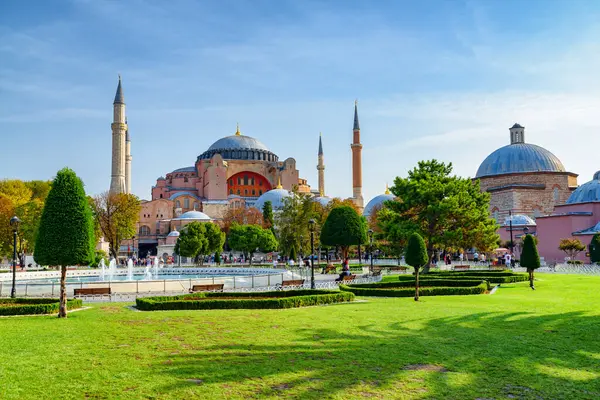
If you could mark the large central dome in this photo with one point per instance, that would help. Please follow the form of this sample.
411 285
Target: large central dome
239 147
519 157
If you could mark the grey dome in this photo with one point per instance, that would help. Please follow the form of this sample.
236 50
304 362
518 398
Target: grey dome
239 147
324 201
194 215
589 191
174 233
376 201
275 196
238 142
519 219
517 158
186 169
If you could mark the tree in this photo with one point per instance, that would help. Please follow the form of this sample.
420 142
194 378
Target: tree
344 227
267 213
416 256
595 249
241 216
447 211
530 259
249 238
216 240
66 232
7 211
192 241
292 223
571 247
116 215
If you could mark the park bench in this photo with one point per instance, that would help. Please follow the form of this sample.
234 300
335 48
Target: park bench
92 291
461 267
207 288
293 282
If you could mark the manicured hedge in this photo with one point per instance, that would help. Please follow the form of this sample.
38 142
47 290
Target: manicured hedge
490 276
35 306
422 282
254 300
410 291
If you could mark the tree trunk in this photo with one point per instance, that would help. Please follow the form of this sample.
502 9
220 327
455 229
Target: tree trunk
417 284
62 311
531 280
251 256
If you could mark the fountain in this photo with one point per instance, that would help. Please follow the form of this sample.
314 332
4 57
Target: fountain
147 273
112 269
102 269
156 265
130 269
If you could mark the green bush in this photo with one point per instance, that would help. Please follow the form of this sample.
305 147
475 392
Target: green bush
490 276
481 288
253 300
35 306
424 282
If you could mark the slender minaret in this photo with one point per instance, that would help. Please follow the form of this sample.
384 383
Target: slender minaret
356 147
127 159
119 128
321 169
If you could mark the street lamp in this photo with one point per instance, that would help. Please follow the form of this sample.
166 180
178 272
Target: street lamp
370 232
311 225
14 222
300 251
511 233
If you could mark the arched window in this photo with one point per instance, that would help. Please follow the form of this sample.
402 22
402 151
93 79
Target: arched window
556 195
495 215
186 203
185 178
144 230
177 204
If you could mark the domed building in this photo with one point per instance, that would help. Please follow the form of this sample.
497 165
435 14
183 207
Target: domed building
524 178
275 196
377 202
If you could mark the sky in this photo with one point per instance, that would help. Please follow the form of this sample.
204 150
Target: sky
434 79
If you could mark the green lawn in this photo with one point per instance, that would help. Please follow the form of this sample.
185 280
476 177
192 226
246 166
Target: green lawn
517 343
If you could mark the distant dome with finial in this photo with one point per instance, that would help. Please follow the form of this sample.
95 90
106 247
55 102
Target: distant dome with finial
377 201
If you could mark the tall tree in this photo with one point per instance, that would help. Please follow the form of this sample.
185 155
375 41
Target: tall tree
7 211
416 256
530 259
571 247
116 214
216 239
595 249
267 213
444 209
344 228
66 232
16 190
241 216
250 238
292 223
192 241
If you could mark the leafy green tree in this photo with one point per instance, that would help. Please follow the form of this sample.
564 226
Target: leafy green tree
530 259
99 255
292 223
216 239
344 228
116 215
66 231
250 238
267 212
571 247
416 256
192 241
595 249
446 210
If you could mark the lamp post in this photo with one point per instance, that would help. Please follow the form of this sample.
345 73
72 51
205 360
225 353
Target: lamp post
370 232
14 222
311 225
300 255
511 233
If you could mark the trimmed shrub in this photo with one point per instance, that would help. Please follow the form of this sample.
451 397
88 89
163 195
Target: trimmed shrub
35 306
481 288
254 300
490 276
425 282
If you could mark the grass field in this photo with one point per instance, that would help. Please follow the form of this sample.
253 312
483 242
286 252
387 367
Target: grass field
517 343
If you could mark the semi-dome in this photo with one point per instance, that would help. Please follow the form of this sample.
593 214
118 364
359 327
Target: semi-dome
589 191
519 157
377 202
239 147
194 215
275 196
324 201
519 219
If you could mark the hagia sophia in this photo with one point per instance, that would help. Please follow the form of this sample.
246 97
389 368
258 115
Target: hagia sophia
531 190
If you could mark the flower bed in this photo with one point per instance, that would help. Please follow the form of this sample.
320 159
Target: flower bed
250 300
34 306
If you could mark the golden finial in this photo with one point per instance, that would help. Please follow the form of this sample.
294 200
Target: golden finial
387 189
355 102
279 183
237 130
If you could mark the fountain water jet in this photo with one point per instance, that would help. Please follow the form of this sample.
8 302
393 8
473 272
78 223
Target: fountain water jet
156 265
130 269
102 269
112 269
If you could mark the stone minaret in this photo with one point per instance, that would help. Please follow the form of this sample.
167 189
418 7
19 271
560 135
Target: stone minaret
127 159
119 129
356 147
321 169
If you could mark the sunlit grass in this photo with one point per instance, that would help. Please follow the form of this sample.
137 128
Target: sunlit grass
517 342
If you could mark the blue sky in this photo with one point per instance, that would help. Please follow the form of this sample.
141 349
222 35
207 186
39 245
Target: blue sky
434 79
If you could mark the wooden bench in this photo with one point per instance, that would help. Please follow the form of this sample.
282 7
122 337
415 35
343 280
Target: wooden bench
207 288
92 291
461 267
297 282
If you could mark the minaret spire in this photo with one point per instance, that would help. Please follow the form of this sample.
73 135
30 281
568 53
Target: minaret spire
321 168
356 147
119 143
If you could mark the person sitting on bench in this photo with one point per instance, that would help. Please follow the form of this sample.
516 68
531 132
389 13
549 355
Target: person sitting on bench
345 271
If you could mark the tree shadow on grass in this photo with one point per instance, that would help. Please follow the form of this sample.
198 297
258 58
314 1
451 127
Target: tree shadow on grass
483 356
